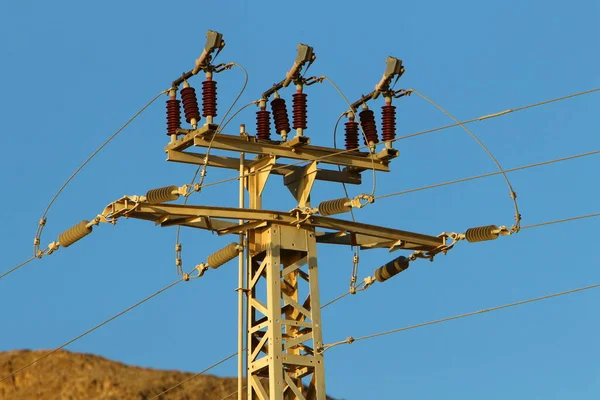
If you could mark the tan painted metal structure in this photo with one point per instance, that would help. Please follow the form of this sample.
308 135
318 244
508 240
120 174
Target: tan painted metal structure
282 311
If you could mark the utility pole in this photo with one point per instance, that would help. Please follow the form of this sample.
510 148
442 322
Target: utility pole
279 310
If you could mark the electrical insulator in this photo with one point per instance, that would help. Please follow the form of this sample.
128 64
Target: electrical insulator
388 122
190 105
263 125
351 135
482 233
392 268
332 207
162 195
299 110
223 256
280 116
173 116
74 233
367 120
209 98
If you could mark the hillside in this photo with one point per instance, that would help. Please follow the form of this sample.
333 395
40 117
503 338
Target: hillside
74 376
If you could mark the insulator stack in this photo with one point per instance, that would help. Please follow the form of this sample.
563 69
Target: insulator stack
173 116
392 268
482 233
299 110
162 195
280 116
209 98
367 120
388 122
351 135
74 233
263 125
190 104
332 207
223 256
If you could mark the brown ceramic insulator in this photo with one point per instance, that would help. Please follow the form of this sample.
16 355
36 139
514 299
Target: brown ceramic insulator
299 110
209 98
263 125
367 120
190 104
388 122
173 116
280 116
351 135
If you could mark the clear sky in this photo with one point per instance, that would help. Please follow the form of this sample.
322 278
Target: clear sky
72 72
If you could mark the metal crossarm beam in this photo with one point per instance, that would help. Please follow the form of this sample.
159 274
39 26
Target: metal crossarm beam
290 172
301 150
207 217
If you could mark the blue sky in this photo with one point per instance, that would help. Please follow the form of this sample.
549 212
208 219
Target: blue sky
73 72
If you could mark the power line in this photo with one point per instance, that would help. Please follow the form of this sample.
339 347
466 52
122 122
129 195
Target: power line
42 222
484 117
233 355
447 183
560 221
17 267
195 375
513 194
459 316
92 329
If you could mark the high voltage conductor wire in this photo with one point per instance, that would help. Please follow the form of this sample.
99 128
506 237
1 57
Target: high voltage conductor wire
471 178
195 375
482 118
17 267
513 195
92 329
233 355
42 222
351 339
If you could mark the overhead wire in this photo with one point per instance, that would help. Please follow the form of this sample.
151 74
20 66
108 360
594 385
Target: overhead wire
351 339
560 221
17 267
471 178
195 375
513 195
92 329
42 222
484 117
234 354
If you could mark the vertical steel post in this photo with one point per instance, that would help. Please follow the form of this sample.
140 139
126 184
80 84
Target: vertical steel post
240 290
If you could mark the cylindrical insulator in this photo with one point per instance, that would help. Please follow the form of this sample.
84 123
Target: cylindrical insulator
263 125
332 207
388 122
280 116
481 233
74 233
190 104
299 110
209 98
162 195
223 256
173 116
351 135
367 120
392 268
